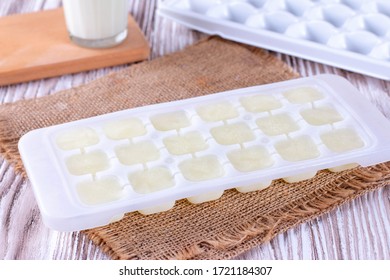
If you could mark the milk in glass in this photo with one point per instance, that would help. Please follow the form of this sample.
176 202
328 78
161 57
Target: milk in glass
96 23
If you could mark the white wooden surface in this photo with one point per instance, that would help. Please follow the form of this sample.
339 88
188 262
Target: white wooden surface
357 230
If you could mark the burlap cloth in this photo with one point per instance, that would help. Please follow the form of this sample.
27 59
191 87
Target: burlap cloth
215 230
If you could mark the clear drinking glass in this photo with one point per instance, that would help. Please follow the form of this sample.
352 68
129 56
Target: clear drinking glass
96 23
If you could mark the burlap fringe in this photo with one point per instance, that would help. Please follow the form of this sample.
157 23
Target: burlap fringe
9 147
265 228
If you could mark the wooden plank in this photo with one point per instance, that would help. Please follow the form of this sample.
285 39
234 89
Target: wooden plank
36 45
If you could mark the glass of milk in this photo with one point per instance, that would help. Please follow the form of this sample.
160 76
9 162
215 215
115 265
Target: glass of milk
96 23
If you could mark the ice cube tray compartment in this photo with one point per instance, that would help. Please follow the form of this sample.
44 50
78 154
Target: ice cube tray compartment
87 172
350 34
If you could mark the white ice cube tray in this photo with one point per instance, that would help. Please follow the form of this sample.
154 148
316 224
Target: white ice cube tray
90 172
349 34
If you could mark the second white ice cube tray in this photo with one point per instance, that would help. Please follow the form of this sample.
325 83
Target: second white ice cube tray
90 172
349 34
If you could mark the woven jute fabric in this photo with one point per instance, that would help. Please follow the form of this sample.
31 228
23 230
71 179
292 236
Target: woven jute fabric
219 229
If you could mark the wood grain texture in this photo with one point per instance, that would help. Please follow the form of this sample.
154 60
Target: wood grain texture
357 230
36 45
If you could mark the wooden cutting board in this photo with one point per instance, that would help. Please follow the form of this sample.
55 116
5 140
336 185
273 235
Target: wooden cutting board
36 45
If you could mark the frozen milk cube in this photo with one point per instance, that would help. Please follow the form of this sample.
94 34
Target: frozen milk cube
188 143
217 112
77 138
204 197
260 103
87 163
100 191
157 208
342 140
297 149
255 187
170 121
151 180
250 159
232 134
303 95
124 129
202 168
321 116
277 124
137 153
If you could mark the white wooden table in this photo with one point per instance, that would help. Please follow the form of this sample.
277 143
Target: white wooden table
357 230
